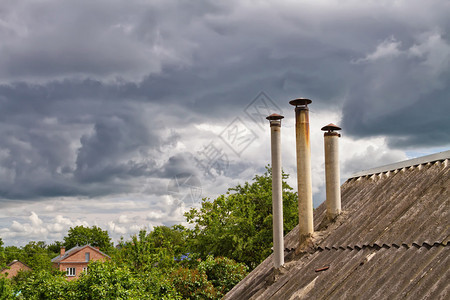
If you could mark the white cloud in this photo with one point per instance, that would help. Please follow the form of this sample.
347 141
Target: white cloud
123 219
35 221
116 228
389 48
155 215
17 227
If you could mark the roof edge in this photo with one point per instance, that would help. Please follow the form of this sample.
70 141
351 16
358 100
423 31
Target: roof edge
13 262
406 163
74 250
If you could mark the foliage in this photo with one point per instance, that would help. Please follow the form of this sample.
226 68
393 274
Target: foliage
36 256
161 247
2 255
223 273
157 284
140 254
94 236
6 289
55 248
105 280
238 225
193 284
43 284
173 238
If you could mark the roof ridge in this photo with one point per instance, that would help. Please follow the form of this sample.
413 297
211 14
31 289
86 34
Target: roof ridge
75 250
444 155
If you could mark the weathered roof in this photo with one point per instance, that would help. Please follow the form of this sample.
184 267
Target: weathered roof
74 250
392 241
15 262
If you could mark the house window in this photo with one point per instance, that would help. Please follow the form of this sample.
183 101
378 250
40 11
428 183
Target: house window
85 270
70 271
87 256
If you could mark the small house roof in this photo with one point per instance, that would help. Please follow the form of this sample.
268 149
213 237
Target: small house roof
74 250
15 262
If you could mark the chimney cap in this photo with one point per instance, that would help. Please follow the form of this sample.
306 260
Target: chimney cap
273 117
300 101
331 127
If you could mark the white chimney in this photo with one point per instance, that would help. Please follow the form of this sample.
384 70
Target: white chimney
332 176
277 197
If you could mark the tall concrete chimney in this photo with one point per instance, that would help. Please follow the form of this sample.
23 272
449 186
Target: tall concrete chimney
277 197
332 177
305 205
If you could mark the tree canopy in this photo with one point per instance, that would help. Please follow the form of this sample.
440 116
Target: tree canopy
94 236
238 225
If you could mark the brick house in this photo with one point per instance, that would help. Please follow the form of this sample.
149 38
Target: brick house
13 268
76 260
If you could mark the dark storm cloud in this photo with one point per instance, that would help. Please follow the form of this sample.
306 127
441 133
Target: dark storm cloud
181 163
114 136
403 93
78 143
89 89
99 39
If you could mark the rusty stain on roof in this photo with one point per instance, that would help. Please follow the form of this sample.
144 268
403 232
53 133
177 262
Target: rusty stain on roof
322 269
391 242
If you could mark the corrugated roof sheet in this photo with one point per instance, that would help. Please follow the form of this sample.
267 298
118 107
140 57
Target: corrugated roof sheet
392 241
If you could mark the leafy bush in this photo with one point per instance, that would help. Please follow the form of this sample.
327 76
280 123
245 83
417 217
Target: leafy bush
6 290
105 280
193 284
43 285
224 273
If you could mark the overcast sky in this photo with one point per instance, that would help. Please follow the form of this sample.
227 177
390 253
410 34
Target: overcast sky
109 109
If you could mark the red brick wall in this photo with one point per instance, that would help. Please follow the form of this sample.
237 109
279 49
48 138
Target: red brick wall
78 269
14 269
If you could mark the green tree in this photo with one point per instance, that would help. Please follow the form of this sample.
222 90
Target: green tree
238 225
193 284
6 289
172 238
161 247
11 253
137 253
106 280
224 273
55 248
2 255
36 256
43 284
94 236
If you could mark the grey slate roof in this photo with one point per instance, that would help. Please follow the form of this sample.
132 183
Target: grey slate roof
74 250
391 242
